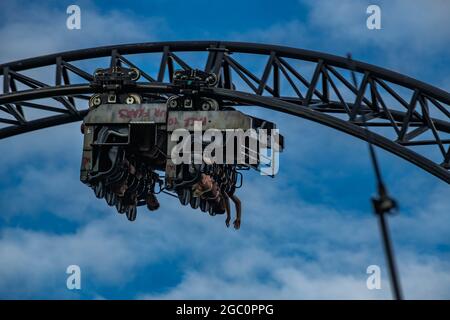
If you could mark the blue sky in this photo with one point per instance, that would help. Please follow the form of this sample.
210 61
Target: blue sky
309 233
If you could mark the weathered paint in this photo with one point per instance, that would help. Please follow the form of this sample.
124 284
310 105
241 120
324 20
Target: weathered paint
210 120
125 113
86 160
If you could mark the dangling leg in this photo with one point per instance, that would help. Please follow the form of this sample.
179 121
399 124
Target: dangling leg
152 202
226 201
237 203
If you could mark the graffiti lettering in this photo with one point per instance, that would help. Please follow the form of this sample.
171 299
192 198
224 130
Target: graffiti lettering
190 121
172 121
160 113
133 113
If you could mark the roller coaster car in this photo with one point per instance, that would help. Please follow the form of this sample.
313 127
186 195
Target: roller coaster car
128 140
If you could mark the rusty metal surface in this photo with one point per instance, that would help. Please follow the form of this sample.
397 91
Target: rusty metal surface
210 120
126 113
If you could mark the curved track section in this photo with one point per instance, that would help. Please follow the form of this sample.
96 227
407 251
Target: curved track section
404 116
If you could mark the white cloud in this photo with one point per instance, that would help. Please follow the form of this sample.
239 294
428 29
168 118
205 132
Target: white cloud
42 29
412 34
421 25
290 246
302 280
287 248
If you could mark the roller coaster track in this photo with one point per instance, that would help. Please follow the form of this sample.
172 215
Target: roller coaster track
406 117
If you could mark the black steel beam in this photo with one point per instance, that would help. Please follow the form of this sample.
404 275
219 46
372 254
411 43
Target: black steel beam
413 120
238 47
329 121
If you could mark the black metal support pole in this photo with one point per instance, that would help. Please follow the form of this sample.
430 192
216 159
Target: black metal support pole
393 275
382 204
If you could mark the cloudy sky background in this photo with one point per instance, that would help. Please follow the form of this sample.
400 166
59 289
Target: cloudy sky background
309 233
